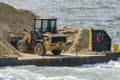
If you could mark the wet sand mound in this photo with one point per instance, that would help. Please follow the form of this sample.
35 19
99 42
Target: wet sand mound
16 19
13 20
76 37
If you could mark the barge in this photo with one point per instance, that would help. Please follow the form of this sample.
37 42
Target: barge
63 60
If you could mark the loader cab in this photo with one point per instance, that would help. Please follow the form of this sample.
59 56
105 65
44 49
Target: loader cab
42 26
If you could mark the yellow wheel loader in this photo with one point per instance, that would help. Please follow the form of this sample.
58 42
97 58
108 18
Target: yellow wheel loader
44 37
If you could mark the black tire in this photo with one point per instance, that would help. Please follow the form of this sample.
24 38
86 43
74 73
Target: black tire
22 46
56 52
39 49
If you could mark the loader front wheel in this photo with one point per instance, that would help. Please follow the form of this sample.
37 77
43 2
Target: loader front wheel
56 52
39 49
22 46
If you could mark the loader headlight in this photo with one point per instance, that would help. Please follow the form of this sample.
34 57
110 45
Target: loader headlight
46 38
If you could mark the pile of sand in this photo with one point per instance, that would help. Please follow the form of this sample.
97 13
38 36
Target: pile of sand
13 20
17 20
77 38
4 29
7 50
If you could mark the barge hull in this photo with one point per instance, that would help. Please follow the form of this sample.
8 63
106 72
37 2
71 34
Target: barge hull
59 61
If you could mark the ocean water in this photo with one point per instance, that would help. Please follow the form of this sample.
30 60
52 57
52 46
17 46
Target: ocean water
100 71
100 14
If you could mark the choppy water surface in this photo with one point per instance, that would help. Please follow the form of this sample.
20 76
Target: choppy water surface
101 14
103 71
